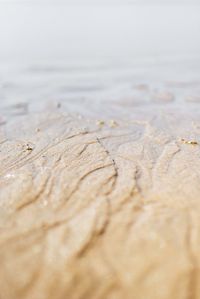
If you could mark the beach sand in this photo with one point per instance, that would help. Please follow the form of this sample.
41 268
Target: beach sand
101 199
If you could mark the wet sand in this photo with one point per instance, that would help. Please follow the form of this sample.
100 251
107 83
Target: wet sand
101 199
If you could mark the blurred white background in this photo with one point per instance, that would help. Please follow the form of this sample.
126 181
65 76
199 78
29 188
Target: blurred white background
107 45
46 30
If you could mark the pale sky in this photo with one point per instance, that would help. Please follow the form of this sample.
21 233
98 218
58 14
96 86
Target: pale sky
83 31
93 2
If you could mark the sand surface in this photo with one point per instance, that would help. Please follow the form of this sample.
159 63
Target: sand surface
100 200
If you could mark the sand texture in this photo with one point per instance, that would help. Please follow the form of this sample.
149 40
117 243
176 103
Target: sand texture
101 200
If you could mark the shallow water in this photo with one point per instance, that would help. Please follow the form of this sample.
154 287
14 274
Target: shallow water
57 52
